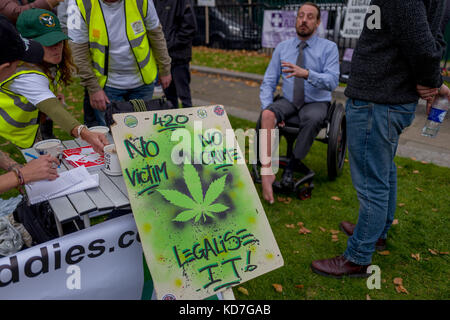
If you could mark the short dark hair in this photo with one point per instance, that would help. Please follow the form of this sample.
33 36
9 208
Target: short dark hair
313 5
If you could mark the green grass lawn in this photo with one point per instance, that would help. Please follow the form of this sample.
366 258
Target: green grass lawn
423 219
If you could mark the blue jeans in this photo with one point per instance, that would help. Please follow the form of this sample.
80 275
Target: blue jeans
144 92
373 131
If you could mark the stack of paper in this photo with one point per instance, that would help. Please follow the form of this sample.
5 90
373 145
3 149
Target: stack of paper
68 182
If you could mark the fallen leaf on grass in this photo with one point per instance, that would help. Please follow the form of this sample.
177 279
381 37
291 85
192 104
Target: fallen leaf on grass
401 204
399 286
368 297
4 144
334 238
299 286
416 256
424 162
336 198
384 253
278 287
434 210
395 221
433 252
334 231
303 230
243 290
323 229
443 253
416 171
290 226
418 189
290 213
413 158
401 289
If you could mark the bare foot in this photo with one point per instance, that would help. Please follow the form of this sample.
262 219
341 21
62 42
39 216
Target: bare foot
267 181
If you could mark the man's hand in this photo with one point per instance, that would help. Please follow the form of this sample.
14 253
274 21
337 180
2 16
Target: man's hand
165 81
427 94
294 70
99 100
97 140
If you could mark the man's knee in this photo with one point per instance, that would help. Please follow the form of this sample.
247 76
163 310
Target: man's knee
268 116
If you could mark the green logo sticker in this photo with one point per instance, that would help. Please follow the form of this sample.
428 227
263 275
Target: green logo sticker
130 121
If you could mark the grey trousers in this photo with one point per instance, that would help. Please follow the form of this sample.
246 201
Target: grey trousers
310 118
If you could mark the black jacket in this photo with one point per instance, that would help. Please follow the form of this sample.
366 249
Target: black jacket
389 62
180 26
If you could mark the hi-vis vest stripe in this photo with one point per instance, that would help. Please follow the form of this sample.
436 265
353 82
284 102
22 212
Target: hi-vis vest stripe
135 12
18 117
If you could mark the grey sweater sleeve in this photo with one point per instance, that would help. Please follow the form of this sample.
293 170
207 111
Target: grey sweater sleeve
409 23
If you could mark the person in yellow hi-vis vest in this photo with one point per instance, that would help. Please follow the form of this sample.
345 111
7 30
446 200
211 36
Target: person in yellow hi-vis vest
28 90
119 47
32 52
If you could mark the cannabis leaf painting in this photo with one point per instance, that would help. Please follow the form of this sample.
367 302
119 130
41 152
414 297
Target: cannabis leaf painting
197 206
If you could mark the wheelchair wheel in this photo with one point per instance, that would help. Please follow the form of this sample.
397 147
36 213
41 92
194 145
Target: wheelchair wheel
337 143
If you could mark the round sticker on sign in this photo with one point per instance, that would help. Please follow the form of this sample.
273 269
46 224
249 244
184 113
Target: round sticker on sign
202 114
169 296
130 121
219 110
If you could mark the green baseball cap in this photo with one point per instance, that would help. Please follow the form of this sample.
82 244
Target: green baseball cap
40 25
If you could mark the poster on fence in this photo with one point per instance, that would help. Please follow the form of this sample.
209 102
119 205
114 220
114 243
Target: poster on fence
354 18
202 225
279 25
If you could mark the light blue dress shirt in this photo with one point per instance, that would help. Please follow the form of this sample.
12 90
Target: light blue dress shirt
321 58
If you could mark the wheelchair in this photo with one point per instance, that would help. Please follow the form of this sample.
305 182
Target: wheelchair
333 133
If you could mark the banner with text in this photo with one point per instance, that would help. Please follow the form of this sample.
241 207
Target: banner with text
279 25
200 219
101 262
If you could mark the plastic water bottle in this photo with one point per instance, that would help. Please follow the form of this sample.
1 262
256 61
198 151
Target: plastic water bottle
436 117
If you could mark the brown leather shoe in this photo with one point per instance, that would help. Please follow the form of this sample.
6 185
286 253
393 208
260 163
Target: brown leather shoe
339 267
348 228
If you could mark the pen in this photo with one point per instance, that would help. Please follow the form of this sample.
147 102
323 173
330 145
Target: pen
30 155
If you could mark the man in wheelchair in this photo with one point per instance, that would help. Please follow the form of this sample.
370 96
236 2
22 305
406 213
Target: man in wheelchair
309 67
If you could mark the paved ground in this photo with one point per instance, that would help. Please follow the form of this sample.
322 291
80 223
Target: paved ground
239 93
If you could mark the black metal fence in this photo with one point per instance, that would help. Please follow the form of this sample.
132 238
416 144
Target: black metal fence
239 24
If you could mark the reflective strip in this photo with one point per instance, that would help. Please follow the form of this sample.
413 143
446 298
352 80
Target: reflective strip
140 5
28 107
98 68
138 41
87 8
96 45
144 62
14 123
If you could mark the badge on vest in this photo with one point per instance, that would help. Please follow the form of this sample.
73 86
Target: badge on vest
138 27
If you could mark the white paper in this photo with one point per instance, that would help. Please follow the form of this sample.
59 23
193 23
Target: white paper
68 182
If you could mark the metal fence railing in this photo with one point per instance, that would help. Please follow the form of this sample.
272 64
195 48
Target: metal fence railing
238 24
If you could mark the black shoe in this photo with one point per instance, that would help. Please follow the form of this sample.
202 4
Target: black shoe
287 180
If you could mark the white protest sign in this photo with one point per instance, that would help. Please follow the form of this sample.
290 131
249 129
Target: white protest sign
206 3
355 18
101 262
